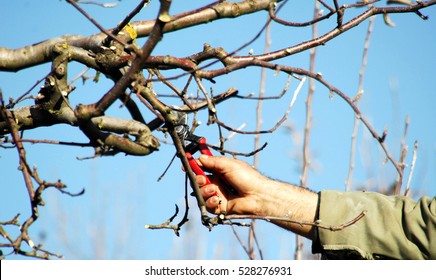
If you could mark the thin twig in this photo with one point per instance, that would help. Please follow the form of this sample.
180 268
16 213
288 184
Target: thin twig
403 154
302 223
234 154
285 89
173 88
278 124
412 168
24 167
13 221
235 233
129 17
101 28
210 105
104 5
297 24
53 142
80 75
251 235
308 124
232 134
167 224
309 100
356 100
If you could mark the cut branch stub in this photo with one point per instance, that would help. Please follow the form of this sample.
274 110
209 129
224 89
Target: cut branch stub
53 94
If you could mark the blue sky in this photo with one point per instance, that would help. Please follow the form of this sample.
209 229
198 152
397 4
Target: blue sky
122 193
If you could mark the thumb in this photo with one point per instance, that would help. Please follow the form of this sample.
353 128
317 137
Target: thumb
219 164
207 161
212 163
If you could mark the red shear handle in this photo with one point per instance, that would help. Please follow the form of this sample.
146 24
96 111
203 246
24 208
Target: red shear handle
204 149
194 166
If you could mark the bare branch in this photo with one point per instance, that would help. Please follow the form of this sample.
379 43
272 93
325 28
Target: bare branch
129 17
412 168
337 31
104 5
83 12
356 100
297 24
288 220
167 224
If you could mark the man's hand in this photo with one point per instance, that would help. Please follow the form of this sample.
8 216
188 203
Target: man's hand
237 183
243 190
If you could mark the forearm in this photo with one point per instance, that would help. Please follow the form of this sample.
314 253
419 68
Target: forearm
291 202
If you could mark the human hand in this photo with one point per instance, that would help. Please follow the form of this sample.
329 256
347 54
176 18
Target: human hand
255 194
238 185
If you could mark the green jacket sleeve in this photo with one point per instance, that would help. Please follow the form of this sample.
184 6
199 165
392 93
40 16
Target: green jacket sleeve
394 227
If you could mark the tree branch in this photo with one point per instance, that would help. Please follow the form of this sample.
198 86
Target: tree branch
227 219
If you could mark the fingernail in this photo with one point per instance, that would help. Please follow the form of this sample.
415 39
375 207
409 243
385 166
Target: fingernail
204 156
201 180
210 190
216 200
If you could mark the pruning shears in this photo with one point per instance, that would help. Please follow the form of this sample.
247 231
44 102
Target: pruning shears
197 143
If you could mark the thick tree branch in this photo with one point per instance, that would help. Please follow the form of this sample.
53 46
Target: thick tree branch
15 60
